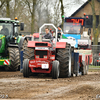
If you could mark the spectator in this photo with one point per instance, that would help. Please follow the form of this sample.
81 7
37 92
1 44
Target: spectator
59 32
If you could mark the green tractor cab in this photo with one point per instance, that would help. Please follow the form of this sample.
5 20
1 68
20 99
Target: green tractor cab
10 43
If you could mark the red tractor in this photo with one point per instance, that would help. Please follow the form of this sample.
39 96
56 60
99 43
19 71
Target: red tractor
45 56
51 57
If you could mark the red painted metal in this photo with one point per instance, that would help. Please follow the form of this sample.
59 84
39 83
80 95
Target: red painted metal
60 44
36 35
52 57
36 65
32 44
90 58
80 58
41 70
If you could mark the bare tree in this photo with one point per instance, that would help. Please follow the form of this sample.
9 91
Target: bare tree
43 13
62 12
7 5
8 8
39 14
2 3
57 13
32 6
96 30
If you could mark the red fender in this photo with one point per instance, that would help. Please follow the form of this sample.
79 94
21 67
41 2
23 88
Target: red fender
32 43
61 45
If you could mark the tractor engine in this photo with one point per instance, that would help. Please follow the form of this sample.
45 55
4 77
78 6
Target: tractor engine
41 52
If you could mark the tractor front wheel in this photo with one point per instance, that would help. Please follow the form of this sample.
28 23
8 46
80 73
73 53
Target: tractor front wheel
26 70
55 69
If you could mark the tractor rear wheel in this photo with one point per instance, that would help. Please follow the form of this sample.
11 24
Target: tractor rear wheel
25 42
64 58
14 57
55 69
26 68
28 53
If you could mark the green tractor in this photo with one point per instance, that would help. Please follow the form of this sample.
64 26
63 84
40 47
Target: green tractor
11 43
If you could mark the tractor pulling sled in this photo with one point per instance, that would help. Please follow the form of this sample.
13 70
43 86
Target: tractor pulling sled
52 57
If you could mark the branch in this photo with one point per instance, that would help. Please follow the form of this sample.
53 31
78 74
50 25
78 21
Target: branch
92 6
2 2
90 3
27 2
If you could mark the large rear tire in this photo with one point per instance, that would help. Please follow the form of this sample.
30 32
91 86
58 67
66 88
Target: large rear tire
64 58
14 57
55 69
28 53
26 70
25 42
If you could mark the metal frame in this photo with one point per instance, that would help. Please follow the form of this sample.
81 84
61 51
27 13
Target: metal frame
48 24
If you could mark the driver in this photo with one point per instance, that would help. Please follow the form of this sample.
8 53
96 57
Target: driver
48 35
4 30
72 30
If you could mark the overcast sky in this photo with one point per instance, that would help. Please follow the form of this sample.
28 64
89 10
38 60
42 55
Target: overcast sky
71 6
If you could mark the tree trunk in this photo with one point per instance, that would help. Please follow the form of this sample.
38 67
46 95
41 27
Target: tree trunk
8 8
33 16
32 23
96 30
62 13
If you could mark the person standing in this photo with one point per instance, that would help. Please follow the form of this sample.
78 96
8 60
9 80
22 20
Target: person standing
59 33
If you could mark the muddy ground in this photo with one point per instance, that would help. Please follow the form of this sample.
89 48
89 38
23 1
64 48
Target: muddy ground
42 87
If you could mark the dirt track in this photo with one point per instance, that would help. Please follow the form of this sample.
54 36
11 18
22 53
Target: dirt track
42 87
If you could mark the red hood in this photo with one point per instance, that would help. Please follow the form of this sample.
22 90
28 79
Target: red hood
36 35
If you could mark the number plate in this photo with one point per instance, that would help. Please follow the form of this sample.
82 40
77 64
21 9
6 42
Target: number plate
45 66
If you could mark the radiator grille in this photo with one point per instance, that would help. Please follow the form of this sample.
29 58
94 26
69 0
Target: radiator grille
41 53
41 44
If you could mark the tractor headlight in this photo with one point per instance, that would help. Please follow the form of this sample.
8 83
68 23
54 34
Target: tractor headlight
45 56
